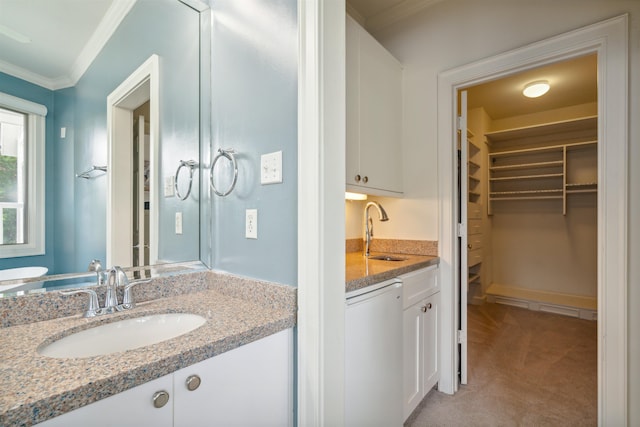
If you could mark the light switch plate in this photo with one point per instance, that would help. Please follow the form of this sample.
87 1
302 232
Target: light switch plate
251 224
178 222
271 168
168 186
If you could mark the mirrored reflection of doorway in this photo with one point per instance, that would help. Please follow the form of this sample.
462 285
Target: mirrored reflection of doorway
132 163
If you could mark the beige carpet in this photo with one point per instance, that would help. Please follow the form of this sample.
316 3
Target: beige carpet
526 368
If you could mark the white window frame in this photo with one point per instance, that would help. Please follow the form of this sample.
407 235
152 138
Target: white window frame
35 239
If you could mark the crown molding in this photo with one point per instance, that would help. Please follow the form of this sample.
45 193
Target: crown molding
395 13
115 14
26 75
108 25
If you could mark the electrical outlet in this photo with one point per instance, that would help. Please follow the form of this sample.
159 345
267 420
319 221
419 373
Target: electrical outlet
178 222
168 186
251 224
271 168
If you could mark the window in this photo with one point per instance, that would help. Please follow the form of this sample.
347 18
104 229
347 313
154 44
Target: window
22 157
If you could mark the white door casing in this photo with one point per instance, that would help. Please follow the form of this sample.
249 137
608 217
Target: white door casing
463 279
609 39
141 86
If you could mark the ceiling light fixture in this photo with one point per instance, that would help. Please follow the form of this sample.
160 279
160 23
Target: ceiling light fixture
536 89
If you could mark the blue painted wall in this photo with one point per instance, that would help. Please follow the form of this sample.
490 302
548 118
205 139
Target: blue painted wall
254 111
25 90
77 224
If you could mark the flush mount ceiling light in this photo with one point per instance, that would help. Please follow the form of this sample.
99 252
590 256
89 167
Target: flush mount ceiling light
536 89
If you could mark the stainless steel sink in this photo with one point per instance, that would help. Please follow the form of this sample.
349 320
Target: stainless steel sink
388 258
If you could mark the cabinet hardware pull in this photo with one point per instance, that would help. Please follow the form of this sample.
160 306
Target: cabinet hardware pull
424 308
193 382
160 398
357 178
469 246
365 179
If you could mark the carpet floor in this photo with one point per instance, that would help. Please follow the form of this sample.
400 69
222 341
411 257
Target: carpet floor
526 368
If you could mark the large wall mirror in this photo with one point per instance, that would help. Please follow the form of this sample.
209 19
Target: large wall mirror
117 88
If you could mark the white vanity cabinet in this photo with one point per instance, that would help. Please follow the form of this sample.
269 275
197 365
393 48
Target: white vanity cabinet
250 385
374 115
421 304
131 408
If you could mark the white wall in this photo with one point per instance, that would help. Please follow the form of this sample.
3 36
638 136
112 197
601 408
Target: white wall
457 32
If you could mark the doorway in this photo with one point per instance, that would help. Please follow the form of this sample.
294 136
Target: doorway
609 40
132 220
527 195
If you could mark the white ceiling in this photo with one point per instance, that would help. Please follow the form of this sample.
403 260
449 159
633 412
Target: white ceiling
572 82
64 37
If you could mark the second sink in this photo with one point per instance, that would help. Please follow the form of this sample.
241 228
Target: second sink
387 258
122 335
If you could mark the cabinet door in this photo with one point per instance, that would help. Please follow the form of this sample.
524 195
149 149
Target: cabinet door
248 386
352 101
430 323
412 359
131 408
380 116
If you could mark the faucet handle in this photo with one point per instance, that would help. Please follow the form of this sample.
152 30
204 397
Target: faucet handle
127 299
93 308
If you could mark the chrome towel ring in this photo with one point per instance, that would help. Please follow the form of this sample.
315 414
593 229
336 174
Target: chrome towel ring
192 165
228 153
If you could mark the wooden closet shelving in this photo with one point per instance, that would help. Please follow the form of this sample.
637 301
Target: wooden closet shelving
560 159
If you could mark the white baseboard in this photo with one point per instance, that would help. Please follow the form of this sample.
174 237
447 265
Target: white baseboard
566 305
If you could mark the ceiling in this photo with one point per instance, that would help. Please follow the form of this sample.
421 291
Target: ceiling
52 42
572 82
65 35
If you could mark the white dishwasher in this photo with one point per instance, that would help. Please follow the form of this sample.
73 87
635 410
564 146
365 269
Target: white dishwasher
373 356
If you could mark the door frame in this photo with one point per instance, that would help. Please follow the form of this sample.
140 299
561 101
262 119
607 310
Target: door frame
609 39
141 86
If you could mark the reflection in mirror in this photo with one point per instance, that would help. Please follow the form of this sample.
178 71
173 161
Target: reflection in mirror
129 188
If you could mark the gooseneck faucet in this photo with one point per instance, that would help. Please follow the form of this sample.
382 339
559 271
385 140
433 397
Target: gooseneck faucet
369 223
117 278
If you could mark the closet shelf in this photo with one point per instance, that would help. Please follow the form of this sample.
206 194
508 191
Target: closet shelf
525 177
473 278
506 193
535 165
565 126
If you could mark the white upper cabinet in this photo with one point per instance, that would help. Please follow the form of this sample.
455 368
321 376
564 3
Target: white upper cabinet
374 116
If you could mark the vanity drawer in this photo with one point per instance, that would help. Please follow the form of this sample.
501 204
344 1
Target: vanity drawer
474 257
418 285
474 226
474 211
474 242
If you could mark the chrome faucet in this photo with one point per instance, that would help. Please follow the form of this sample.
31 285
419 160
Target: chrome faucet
115 278
368 221
96 265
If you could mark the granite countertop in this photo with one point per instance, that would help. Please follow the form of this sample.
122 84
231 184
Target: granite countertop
36 388
362 272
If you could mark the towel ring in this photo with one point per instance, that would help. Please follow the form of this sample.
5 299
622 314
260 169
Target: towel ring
229 154
191 164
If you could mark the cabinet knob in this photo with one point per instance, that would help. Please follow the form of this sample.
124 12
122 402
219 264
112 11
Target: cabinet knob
469 246
357 178
160 398
365 179
193 382
424 308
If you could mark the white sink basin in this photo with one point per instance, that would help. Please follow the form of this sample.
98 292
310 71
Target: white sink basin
122 335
